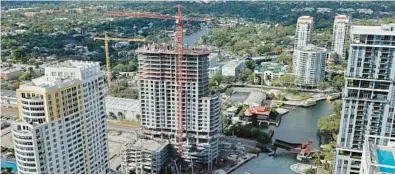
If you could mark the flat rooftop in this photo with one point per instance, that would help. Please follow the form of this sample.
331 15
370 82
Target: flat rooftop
312 48
374 30
10 69
149 145
122 104
49 83
8 94
74 64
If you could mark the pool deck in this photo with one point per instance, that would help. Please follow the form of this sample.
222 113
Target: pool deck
386 156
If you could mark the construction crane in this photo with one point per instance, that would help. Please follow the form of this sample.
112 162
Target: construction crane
179 43
106 39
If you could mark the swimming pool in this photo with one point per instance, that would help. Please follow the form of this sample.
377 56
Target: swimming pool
386 158
12 165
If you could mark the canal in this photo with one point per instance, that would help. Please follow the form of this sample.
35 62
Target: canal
299 125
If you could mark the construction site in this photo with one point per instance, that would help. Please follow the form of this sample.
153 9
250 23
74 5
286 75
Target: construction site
180 116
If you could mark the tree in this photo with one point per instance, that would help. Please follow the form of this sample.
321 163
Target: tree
25 76
138 116
120 115
243 76
110 114
285 59
338 82
6 170
229 91
229 79
250 64
286 80
323 85
310 171
217 78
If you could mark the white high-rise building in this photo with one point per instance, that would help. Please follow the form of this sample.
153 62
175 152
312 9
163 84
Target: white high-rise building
62 126
341 28
304 30
368 95
309 65
159 101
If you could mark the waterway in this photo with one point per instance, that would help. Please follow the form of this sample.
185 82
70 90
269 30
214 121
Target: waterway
192 40
298 126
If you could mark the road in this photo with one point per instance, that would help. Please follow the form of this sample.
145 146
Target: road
112 126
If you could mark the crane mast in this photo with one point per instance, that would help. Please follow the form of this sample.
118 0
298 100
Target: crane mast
107 53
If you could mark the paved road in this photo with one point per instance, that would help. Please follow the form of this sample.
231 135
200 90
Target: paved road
5 131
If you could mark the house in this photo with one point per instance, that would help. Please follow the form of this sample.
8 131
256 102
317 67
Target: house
266 72
11 73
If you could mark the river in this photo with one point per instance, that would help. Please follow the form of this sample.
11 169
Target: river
191 40
299 125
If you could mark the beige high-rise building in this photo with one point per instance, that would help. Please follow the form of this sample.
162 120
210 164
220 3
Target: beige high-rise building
62 125
304 30
340 36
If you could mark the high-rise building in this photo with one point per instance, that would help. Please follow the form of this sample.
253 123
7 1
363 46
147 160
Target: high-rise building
368 95
159 101
304 30
62 126
341 28
309 65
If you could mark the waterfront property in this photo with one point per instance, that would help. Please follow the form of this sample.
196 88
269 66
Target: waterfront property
368 95
378 155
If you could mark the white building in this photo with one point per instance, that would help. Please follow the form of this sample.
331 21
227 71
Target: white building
309 65
232 68
123 108
50 134
144 156
214 67
378 156
304 30
341 28
93 90
368 95
162 114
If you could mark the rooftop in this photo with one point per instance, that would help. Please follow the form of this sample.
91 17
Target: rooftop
171 49
305 19
312 48
49 83
10 69
148 145
122 103
257 110
342 18
7 93
232 64
269 66
384 29
75 64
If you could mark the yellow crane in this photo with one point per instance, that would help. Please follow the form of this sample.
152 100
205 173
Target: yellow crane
106 39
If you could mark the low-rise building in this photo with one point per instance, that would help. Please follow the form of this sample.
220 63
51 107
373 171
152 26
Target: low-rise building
266 72
8 99
11 73
232 68
144 156
213 70
123 108
378 156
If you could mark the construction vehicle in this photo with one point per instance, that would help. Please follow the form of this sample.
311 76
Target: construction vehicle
106 39
179 43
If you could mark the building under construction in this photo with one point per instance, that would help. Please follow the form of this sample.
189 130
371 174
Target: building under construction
159 97
144 156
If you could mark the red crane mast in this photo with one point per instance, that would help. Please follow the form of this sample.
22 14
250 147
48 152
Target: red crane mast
180 49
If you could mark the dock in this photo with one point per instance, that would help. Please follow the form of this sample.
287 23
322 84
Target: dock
249 157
